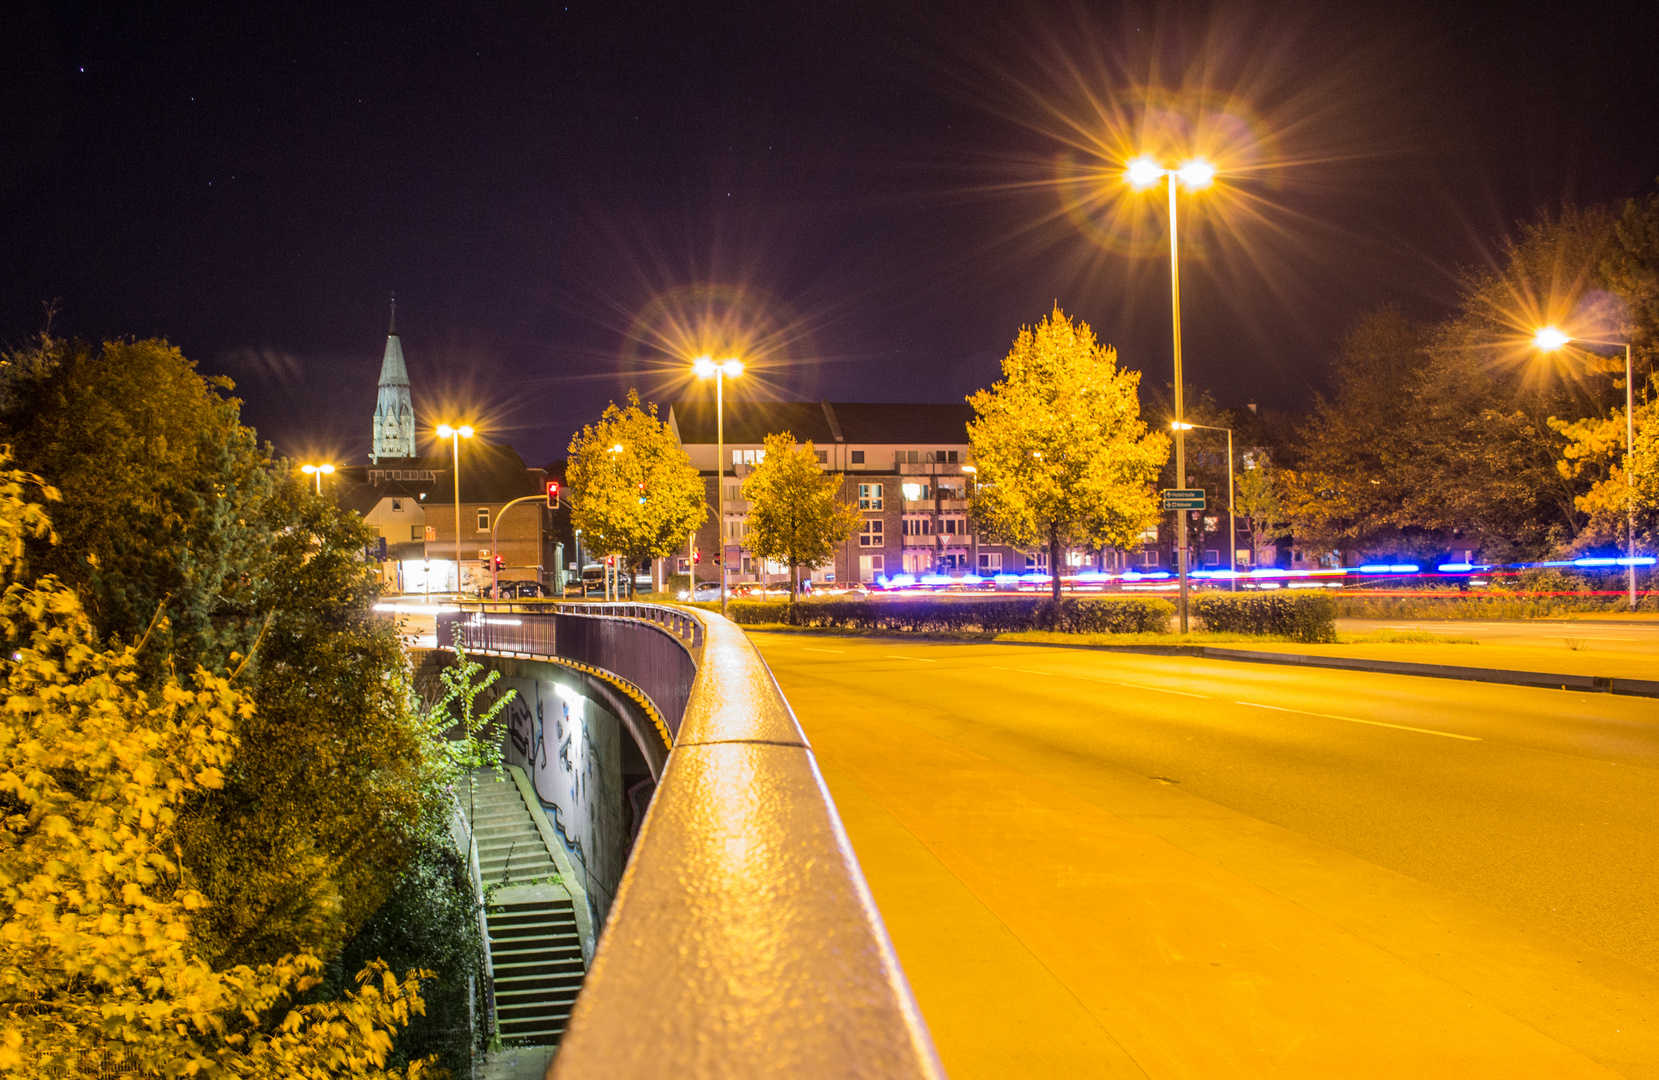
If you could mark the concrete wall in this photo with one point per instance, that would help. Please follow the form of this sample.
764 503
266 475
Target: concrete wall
592 780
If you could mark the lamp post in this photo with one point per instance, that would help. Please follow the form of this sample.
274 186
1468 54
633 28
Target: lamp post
319 471
1550 339
455 435
704 367
1232 526
1142 173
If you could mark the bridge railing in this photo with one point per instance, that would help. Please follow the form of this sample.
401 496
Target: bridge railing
743 940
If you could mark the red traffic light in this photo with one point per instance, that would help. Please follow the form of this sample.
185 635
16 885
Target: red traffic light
696 556
552 494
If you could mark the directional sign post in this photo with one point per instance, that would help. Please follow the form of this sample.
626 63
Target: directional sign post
1183 498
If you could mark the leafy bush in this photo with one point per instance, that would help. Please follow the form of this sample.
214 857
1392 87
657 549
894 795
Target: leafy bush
1304 616
927 614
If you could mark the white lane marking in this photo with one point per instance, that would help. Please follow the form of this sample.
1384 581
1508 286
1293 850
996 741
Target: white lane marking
896 656
1091 678
1356 720
809 648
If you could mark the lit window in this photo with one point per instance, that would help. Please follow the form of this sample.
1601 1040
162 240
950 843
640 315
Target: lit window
870 535
869 496
483 520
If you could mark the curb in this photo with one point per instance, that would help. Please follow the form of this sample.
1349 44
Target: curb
1594 684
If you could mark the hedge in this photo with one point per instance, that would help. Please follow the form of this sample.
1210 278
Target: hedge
923 614
1304 616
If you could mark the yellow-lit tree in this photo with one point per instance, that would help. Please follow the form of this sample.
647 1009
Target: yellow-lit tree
797 518
1062 454
98 962
633 491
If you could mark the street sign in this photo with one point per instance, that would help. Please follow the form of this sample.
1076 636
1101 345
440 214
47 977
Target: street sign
1183 498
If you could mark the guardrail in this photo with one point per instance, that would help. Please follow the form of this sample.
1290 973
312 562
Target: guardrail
650 646
743 941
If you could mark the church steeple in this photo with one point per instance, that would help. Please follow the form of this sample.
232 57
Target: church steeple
394 412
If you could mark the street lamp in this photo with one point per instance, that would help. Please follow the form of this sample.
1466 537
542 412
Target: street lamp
1143 173
1550 339
1232 527
319 471
705 367
455 435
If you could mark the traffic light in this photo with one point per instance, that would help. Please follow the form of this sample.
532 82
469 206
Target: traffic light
696 556
498 562
642 491
552 494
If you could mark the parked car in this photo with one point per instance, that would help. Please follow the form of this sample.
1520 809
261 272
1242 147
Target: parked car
520 590
705 592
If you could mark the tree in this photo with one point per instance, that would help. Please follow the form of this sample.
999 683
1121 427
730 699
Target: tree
97 952
162 490
170 504
633 491
1062 454
1256 500
796 517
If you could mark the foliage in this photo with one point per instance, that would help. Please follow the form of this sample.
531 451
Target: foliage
315 822
162 489
474 739
640 502
1257 502
1353 451
1062 454
1115 615
796 517
1301 616
169 503
97 950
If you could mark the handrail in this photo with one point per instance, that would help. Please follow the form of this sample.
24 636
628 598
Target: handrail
743 941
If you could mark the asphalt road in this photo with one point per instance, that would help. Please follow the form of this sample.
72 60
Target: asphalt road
1383 875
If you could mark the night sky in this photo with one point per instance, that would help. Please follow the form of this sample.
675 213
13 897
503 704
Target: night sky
868 200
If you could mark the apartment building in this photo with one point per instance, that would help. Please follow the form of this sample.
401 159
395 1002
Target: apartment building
903 465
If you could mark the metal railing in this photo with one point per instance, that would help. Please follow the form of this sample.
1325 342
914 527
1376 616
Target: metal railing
743 941
650 646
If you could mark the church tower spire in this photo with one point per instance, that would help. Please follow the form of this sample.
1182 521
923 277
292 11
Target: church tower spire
394 411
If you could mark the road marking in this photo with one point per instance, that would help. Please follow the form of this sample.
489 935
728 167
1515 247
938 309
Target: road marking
896 656
808 648
1091 678
1356 720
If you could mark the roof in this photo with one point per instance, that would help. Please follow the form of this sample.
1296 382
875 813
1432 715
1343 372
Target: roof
920 424
489 474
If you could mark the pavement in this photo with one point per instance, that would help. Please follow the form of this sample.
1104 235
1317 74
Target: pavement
1106 864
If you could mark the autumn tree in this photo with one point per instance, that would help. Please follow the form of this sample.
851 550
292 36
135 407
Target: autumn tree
633 491
1256 499
797 517
98 959
1062 454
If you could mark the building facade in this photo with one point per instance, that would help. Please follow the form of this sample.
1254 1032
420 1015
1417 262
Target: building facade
904 466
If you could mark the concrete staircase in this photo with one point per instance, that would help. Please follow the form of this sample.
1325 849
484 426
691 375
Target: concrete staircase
535 943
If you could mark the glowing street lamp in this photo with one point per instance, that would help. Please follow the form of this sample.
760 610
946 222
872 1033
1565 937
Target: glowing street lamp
706 367
1142 173
455 435
1550 339
319 471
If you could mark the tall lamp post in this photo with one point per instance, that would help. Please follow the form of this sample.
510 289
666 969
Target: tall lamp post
1142 173
319 471
1232 526
704 367
1550 339
455 435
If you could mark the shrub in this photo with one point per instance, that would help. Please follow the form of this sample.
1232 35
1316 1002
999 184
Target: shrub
989 615
1303 616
